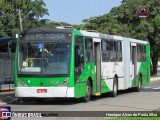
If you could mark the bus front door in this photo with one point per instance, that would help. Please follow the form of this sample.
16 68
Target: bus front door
134 62
97 59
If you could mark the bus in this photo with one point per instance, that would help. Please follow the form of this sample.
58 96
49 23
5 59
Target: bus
70 63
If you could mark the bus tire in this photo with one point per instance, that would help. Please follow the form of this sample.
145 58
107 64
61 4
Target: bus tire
138 88
88 92
115 88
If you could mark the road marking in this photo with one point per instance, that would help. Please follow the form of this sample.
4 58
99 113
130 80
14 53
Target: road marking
152 87
156 88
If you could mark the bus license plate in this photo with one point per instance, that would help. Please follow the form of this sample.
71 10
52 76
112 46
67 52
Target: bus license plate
41 90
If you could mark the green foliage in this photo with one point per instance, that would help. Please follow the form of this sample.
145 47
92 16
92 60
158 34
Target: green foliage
31 11
52 24
124 21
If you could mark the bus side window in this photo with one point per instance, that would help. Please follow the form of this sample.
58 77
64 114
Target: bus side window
113 49
139 56
105 51
119 51
79 56
89 50
143 53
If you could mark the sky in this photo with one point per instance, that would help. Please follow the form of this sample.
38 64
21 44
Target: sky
74 11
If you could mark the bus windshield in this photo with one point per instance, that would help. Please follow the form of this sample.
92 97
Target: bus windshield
44 58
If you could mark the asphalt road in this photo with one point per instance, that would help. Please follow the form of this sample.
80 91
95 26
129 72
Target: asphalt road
146 100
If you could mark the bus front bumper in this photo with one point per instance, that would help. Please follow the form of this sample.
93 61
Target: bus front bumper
44 92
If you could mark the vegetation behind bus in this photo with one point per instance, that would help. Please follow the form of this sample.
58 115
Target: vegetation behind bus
124 21
121 20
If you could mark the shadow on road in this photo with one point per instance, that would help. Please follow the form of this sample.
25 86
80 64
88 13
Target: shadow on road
67 101
152 87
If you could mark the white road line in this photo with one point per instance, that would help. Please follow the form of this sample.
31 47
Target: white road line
152 87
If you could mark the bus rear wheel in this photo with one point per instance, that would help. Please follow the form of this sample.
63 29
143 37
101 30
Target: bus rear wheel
88 93
138 88
115 88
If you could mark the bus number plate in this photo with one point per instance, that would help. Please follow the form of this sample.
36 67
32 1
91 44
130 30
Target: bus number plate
41 90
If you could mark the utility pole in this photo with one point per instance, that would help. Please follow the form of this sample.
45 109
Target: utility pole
20 20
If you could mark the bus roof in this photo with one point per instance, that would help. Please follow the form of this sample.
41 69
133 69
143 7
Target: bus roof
111 37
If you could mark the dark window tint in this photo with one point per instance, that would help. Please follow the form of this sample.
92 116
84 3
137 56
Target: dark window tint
105 51
89 49
139 56
79 57
143 53
119 51
113 47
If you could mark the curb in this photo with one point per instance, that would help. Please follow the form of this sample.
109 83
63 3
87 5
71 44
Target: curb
3 103
155 79
7 97
9 102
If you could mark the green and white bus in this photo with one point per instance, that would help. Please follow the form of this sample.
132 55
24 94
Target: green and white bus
69 63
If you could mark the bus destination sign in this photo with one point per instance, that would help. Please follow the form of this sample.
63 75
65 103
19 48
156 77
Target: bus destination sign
51 36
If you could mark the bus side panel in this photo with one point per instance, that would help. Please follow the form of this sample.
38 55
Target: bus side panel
145 67
87 72
127 67
80 84
16 64
148 62
105 86
107 76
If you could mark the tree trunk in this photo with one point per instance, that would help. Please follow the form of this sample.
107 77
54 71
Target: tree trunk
154 63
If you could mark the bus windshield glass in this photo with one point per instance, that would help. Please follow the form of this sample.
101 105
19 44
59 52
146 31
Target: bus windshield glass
44 57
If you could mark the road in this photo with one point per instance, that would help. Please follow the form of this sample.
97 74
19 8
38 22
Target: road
146 100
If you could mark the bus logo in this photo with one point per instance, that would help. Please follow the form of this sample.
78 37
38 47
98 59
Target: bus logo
41 83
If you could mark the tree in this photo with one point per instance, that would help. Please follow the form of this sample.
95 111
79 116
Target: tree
125 21
52 24
31 11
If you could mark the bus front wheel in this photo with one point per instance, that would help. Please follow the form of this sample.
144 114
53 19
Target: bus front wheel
88 92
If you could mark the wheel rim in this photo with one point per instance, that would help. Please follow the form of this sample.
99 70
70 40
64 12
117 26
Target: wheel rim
139 84
88 91
115 88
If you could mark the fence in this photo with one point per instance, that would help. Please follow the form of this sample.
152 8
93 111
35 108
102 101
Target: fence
6 71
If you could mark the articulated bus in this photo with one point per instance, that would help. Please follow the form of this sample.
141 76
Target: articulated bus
69 63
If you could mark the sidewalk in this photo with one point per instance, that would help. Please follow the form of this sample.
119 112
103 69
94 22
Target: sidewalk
7 96
154 78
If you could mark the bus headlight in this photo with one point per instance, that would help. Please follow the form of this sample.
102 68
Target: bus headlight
21 84
64 83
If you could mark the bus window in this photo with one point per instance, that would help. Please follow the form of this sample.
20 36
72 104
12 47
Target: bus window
105 51
79 56
119 51
143 53
139 57
113 49
89 50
